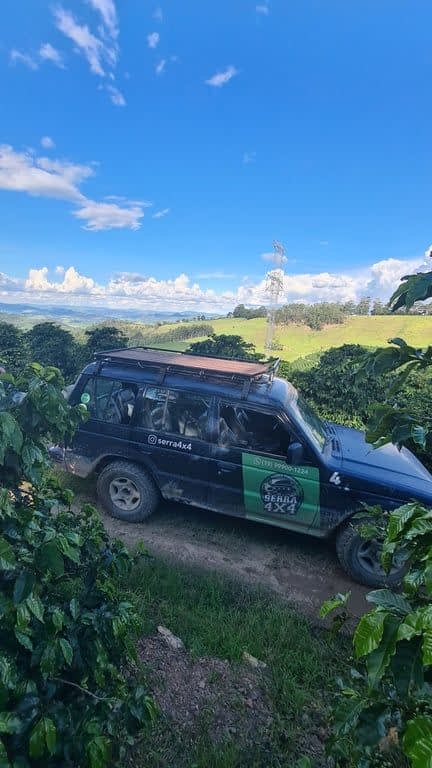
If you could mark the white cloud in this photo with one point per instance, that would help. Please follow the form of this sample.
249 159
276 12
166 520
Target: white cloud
161 214
61 179
221 78
160 66
153 39
8 283
70 172
90 46
22 172
116 96
99 216
263 9
131 290
149 291
72 282
47 142
17 57
101 51
108 12
49 53
158 15
387 273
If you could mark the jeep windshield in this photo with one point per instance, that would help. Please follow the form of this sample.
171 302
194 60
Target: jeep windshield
311 424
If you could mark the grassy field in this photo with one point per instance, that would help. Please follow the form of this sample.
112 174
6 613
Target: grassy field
299 340
218 618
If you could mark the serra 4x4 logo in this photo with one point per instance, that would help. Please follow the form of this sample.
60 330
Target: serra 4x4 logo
281 495
180 444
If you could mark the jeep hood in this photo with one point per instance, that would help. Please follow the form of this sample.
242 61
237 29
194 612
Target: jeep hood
389 466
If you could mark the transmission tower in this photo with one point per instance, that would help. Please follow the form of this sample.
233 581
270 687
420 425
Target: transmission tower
274 287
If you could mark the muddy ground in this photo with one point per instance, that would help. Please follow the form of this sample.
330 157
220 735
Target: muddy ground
299 568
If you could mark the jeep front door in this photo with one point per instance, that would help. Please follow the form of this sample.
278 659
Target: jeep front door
251 476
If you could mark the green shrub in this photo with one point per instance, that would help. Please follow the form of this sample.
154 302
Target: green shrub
66 694
330 384
386 708
289 370
384 713
226 345
13 348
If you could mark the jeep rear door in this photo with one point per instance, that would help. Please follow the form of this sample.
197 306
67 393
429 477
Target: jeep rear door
250 475
110 404
171 437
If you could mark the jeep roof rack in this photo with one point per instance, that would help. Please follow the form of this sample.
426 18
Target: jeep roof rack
167 361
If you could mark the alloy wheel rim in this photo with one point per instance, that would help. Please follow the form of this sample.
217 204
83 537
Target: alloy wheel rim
124 494
369 556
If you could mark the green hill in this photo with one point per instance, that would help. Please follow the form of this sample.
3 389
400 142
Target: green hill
299 340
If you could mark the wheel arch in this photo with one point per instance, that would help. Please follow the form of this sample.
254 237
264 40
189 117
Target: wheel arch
111 458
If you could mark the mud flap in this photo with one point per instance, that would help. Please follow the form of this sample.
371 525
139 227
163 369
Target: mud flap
276 491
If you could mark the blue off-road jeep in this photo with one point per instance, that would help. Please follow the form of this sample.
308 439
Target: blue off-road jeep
230 436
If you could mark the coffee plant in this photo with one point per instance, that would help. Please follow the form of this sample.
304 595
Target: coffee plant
384 717
386 707
68 690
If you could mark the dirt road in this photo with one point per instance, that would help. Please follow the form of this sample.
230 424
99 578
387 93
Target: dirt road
298 568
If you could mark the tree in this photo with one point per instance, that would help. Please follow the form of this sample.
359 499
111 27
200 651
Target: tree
379 308
67 692
103 338
54 346
13 351
225 346
248 314
363 307
313 315
349 307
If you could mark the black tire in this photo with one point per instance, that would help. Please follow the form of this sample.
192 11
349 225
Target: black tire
143 494
349 548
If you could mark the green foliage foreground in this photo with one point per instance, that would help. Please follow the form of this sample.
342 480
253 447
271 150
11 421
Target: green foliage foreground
386 707
67 697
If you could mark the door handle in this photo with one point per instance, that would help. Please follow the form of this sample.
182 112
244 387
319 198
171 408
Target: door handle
224 470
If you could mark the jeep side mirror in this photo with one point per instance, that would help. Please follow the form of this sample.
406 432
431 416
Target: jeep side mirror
295 454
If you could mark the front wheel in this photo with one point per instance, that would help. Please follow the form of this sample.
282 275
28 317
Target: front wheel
127 492
361 559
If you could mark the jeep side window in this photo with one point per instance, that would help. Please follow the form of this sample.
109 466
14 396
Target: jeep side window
109 400
179 413
246 428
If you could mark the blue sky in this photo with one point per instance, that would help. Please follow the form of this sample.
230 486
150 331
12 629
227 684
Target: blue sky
152 152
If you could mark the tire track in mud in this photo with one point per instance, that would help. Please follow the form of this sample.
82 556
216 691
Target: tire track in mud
299 569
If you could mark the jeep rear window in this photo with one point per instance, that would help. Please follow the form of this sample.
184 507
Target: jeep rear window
109 400
175 412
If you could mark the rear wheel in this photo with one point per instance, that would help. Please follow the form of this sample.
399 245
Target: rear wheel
361 559
127 492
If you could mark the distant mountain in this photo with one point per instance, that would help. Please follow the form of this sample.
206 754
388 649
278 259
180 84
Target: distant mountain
94 314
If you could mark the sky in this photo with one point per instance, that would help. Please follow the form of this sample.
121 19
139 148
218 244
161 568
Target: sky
150 153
